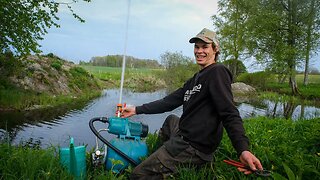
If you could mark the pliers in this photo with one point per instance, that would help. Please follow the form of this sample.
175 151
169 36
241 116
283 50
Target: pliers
264 173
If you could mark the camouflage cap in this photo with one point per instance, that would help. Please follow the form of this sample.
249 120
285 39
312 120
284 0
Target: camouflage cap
207 36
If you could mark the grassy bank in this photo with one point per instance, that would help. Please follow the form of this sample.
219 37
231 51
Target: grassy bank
140 80
17 99
42 81
290 149
268 82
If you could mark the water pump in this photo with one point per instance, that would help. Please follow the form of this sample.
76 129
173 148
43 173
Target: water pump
128 147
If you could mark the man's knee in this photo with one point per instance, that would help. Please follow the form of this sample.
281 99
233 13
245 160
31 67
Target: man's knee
172 117
169 127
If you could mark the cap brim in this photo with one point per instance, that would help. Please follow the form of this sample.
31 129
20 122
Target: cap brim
204 39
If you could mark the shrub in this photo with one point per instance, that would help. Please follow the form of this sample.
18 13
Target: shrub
257 79
56 64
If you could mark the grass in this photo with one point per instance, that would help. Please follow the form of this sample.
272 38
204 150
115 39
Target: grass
138 80
290 149
23 162
311 91
266 82
21 99
114 73
312 78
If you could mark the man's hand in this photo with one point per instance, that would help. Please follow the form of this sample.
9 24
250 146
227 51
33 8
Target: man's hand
128 111
249 159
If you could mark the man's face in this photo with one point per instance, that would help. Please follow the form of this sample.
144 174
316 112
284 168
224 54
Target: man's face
204 53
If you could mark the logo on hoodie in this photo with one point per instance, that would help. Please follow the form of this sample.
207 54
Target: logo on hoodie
189 93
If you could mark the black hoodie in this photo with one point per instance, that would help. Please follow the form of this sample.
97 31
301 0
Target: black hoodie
207 101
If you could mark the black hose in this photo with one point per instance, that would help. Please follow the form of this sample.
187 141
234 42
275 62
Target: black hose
93 129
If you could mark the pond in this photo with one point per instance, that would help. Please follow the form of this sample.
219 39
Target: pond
56 126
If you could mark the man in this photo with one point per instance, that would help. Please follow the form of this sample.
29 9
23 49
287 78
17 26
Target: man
207 107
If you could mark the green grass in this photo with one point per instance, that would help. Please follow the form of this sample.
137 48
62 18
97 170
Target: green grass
114 73
290 149
313 78
21 99
30 163
139 80
311 91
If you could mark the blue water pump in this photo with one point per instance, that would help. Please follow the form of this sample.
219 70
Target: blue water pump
128 147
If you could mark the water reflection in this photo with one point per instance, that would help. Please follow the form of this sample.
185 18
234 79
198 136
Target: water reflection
56 126
288 110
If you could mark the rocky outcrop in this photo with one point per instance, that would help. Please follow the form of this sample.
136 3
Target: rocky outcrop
49 74
242 88
242 92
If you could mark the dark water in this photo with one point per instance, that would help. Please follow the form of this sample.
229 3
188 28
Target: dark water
56 126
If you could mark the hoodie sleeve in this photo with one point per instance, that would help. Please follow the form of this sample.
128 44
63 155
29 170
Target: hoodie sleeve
221 94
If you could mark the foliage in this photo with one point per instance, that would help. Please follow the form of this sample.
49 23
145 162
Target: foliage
23 162
139 80
231 27
173 59
24 22
80 78
241 68
179 68
8 66
273 32
153 142
276 142
310 92
289 149
116 61
13 96
257 79
19 99
56 64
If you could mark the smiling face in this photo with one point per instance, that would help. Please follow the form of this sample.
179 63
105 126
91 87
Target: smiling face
204 53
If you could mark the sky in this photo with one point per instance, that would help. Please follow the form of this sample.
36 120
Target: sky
155 26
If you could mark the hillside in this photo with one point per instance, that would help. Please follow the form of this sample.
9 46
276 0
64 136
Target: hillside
26 78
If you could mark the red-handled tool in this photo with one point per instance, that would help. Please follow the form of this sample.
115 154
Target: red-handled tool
237 164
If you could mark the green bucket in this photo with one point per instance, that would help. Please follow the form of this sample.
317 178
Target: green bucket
74 159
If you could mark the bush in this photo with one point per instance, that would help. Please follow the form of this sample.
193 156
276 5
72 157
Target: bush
257 79
175 77
56 64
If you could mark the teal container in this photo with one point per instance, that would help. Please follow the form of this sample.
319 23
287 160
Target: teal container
74 159
135 149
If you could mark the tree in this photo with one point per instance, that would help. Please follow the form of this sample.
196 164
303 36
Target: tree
241 68
179 68
170 60
278 34
312 32
230 25
24 22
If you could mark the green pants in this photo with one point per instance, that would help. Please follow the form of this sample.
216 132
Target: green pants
173 153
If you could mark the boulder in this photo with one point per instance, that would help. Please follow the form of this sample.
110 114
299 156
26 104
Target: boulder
242 88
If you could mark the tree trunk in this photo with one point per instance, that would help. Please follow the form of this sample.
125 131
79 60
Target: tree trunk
293 84
292 6
308 49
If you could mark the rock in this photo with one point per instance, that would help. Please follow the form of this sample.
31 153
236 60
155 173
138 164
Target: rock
242 88
40 75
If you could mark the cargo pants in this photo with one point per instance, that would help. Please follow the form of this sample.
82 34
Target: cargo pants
174 152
